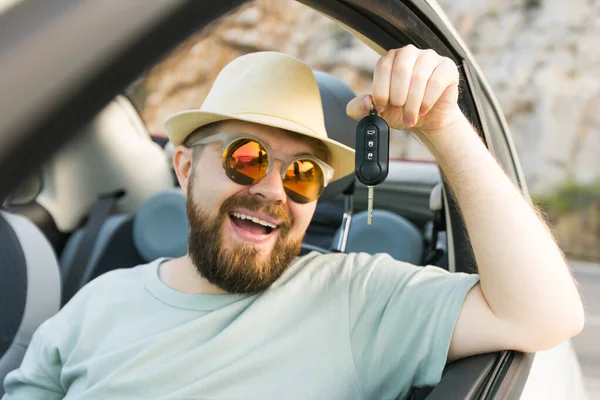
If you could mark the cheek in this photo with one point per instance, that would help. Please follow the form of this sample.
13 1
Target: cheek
210 187
303 214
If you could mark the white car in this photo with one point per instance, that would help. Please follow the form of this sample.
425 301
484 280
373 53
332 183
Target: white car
57 77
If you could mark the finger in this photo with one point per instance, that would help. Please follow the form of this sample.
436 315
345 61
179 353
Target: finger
424 67
401 74
381 79
444 76
359 107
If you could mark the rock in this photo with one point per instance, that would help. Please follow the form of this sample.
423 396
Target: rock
248 17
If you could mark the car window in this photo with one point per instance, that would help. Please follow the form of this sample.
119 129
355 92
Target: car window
406 147
497 138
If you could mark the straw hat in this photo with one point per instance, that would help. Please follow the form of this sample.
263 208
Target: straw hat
266 88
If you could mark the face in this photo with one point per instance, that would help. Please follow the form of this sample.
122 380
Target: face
227 247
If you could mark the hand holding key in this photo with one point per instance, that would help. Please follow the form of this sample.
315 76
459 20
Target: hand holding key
413 89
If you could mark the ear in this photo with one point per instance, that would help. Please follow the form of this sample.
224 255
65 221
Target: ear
182 164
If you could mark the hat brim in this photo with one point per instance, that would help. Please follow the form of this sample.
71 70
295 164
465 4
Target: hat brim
180 125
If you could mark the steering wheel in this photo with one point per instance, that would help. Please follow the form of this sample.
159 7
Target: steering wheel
307 248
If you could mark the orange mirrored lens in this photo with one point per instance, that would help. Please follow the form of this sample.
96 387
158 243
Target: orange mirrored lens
245 161
303 181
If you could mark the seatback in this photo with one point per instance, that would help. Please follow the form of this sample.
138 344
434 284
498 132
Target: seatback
113 249
158 229
113 153
335 95
389 233
30 287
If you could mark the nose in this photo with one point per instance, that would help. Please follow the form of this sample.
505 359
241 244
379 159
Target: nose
271 186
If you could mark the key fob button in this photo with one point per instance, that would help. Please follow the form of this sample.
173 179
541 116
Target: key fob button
371 131
370 171
370 156
371 144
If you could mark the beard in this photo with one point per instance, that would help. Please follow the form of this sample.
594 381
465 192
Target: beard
239 269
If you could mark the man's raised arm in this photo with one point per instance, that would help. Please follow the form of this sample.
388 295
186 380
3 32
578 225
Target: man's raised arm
527 299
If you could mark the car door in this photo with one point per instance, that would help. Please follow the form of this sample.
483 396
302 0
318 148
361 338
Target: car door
61 61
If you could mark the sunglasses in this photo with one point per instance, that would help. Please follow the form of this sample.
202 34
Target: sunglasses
246 160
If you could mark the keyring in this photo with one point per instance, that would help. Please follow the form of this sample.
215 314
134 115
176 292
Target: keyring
372 111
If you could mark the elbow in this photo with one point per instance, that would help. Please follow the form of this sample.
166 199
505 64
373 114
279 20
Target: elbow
577 321
573 319
556 331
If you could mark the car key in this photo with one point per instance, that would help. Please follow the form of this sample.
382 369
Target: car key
372 154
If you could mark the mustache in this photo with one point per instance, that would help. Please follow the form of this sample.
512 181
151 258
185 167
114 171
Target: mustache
253 203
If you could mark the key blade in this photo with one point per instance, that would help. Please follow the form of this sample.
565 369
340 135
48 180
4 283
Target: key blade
371 193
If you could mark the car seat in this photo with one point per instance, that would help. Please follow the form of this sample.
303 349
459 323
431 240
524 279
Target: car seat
158 229
114 164
389 233
335 204
29 289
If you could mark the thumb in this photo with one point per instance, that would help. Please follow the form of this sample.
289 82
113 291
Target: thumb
359 106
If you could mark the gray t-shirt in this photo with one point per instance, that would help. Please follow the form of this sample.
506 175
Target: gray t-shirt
332 327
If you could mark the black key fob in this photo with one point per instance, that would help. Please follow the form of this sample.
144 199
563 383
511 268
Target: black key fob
372 149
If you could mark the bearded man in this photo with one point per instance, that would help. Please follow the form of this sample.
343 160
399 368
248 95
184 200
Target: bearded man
241 316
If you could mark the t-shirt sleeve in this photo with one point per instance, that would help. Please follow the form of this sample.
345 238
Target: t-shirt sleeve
38 376
401 322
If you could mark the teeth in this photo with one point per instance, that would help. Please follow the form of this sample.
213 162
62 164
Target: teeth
254 219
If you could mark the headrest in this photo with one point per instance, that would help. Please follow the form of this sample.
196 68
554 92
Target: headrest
160 227
335 95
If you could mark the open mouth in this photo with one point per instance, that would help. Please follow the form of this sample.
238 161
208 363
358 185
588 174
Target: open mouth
252 224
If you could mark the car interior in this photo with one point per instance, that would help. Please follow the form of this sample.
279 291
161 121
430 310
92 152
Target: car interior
108 199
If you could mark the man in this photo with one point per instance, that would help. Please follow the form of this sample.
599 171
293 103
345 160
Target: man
241 317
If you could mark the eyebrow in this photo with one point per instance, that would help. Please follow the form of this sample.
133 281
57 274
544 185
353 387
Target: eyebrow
304 153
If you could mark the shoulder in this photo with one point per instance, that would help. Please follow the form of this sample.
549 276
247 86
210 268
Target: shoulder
111 287
343 267
343 260
377 270
98 298
116 281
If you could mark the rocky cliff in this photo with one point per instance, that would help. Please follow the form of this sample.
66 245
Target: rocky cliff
542 59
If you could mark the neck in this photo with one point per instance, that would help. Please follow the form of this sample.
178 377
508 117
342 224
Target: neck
181 275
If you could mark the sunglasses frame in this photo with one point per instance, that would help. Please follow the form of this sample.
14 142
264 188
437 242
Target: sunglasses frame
228 138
